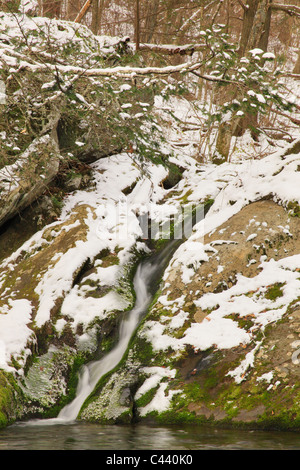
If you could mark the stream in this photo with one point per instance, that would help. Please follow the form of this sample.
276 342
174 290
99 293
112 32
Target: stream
89 436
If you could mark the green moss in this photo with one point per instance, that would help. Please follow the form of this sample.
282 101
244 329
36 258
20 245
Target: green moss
274 292
212 380
194 392
285 421
185 197
8 392
178 417
143 350
243 322
146 398
293 208
110 260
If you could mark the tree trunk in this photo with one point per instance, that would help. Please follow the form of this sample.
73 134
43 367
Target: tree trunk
255 34
223 143
95 16
150 24
256 26
52 8
83 11
297 64
259 33
137 24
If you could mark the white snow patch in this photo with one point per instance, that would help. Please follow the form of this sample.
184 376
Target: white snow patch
14 332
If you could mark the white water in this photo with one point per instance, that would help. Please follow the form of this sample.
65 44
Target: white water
147 272
91 373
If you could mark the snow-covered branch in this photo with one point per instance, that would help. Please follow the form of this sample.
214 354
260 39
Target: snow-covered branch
171 49
292 75
212 78
119 71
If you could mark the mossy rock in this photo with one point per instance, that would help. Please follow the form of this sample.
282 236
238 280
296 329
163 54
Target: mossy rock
10 399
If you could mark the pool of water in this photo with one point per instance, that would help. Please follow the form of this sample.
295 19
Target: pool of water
86 436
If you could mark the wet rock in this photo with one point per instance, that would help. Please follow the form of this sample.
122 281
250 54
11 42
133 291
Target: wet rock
125 397
112 402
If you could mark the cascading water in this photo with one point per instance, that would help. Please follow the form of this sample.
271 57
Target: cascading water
145 284
147 274
92 372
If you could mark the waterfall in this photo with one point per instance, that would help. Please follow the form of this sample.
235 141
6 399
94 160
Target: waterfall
92 372
145 280
145 284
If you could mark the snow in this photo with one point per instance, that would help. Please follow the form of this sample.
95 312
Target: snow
235 299
14 332
240 372
2 93
268 376
161 400
219 332
256 51
28 5
249 181
112 221
268 55
84 310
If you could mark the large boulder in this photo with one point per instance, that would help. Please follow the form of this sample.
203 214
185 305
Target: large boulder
220 343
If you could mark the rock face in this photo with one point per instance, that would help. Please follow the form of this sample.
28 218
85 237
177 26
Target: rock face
59 340
220 341
26 180
203 358
64 291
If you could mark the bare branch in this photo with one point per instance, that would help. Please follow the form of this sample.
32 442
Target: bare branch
292 75
291 10
291 118
212 78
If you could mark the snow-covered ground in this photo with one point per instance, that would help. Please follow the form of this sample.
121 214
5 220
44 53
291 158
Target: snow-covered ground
248 181
256 170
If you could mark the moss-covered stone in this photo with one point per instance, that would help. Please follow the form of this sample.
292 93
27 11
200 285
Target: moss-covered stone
211 386
10 399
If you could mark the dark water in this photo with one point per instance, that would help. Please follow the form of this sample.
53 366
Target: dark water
82 436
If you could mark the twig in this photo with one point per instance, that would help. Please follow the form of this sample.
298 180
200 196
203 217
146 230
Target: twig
291 10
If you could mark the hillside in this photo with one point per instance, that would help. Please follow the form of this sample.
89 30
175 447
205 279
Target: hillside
94 152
